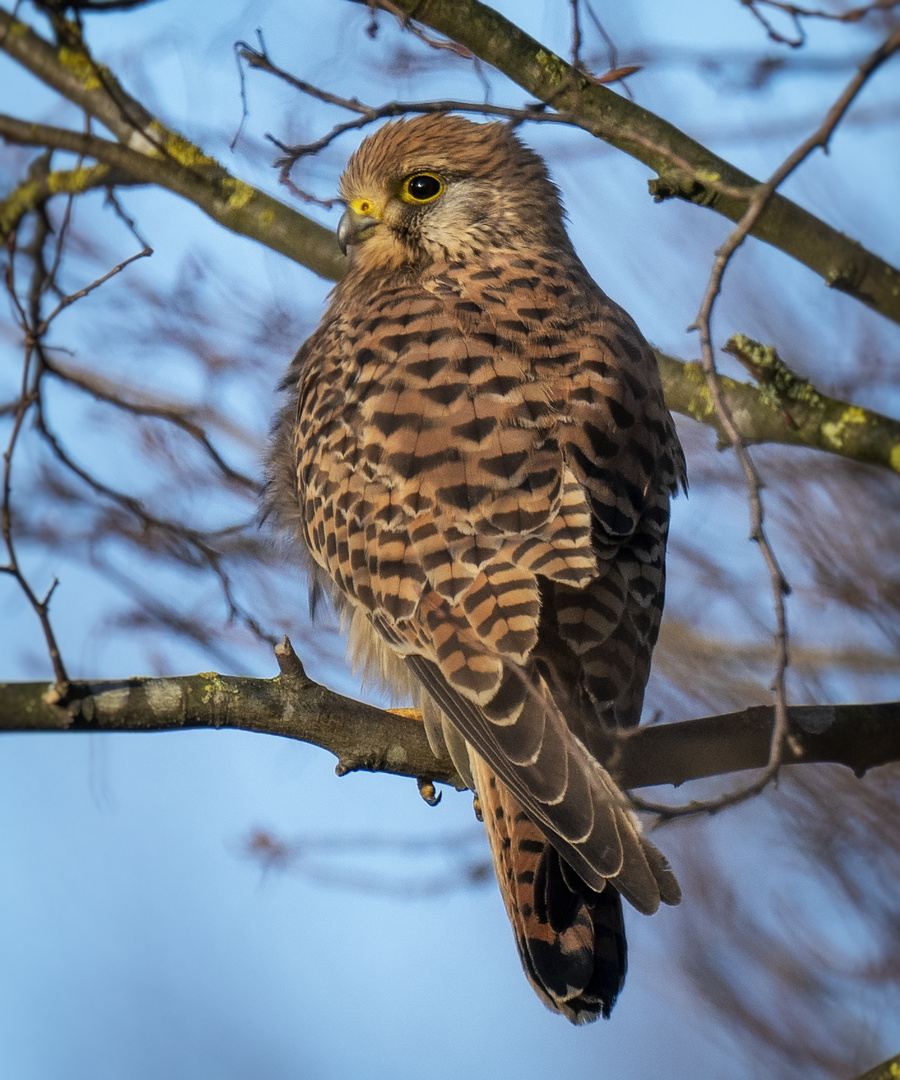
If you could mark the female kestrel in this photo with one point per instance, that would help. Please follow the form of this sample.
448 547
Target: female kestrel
477 459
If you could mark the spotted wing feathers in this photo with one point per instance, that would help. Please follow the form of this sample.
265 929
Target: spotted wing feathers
478 486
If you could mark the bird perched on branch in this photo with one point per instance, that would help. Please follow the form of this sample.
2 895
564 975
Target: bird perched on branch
477 461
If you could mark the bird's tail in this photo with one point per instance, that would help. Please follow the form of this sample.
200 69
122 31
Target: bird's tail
571 938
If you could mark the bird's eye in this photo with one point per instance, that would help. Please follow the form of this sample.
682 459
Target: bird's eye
421 188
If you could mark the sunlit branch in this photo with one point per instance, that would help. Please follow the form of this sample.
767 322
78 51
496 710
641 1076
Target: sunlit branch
152 153
37 190
365 738
887 1070
784 408
232 203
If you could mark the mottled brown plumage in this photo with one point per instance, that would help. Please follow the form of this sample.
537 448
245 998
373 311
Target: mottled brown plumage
476 457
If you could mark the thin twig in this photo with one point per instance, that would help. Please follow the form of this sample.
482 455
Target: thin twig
198 540
576 34
27 399
796 14
779 586
81 293
614 73
434 43
38 364
170 413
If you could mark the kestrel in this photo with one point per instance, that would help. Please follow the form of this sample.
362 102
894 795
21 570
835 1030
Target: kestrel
477 458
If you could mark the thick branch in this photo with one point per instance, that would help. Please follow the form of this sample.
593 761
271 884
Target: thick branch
685 168
788 411
227 200
359 735
363 737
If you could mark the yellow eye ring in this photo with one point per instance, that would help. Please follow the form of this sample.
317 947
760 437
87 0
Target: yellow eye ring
421 187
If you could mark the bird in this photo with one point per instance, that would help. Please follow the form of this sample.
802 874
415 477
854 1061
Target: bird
474 461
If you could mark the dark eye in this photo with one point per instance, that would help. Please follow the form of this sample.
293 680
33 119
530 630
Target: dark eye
421 188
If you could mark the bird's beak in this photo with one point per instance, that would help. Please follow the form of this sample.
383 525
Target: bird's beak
359 221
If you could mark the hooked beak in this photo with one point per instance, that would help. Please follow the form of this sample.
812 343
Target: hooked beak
356 226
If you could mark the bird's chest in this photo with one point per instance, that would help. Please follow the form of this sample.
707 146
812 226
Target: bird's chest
428 379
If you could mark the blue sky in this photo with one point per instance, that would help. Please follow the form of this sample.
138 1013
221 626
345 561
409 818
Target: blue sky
137 938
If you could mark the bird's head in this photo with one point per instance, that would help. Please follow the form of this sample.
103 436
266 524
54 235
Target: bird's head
439 188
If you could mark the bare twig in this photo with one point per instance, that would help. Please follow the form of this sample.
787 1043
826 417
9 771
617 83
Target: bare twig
322 858
369 114
797 14
81 293
198 540
28 396
416 31
780 587
37 364
172 414
614 72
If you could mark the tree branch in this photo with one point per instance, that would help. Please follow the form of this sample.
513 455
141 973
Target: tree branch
887 1070
37 189
685 169
238 206
374 740
784 408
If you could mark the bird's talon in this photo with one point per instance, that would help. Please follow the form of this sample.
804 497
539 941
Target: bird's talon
428 791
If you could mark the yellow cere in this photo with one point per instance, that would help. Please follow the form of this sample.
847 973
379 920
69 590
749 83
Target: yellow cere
364 207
